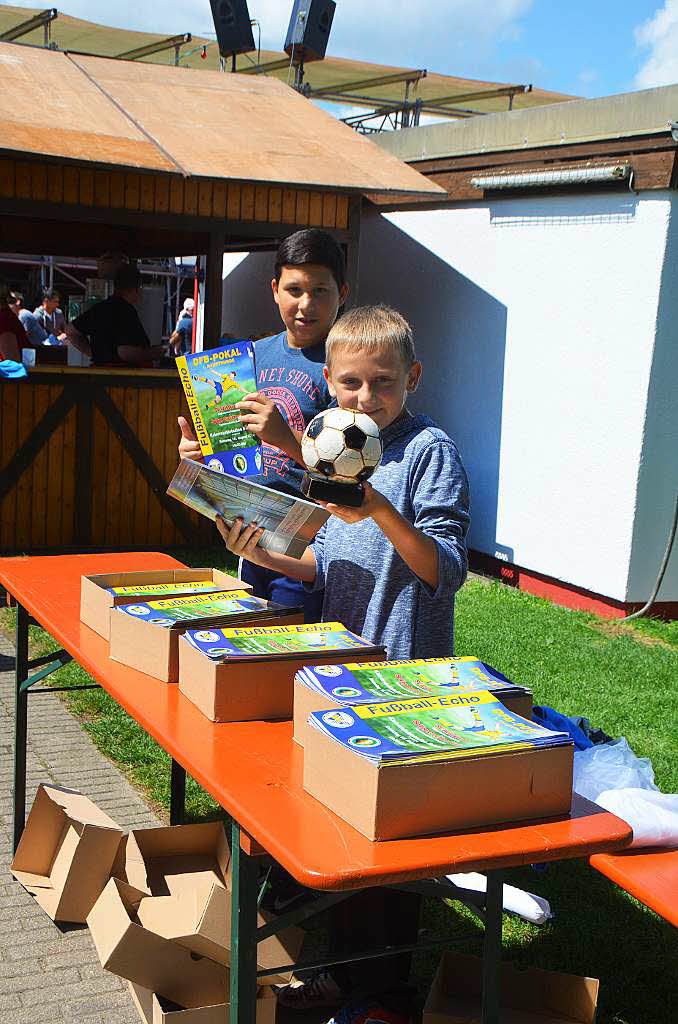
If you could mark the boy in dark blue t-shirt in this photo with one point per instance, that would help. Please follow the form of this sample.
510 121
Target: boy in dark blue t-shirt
309 286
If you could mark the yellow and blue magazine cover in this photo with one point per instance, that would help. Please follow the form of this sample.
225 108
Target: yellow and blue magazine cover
150 589
370 682
167 612
213 381
464 724
248 641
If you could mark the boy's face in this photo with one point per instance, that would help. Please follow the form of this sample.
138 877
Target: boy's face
308 299
376 383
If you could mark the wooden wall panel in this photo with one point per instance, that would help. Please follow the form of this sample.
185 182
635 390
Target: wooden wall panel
24 487
342 212
147 193
86 187
67 535
190 196
9 421
289 206
100 470
39 181
233 202
37 511
131 191
261 203
102 188
7 178
55 183
247 202
162 194
55 479
315 210
329 210
205 199
117 190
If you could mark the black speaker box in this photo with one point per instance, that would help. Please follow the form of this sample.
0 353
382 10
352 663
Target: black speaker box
232 25
309 29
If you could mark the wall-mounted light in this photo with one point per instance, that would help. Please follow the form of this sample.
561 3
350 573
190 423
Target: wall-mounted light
551 177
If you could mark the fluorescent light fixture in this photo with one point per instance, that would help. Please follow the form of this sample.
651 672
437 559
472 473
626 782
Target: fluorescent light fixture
553 176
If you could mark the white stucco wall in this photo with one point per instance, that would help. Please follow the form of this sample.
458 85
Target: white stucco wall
547 329
536 320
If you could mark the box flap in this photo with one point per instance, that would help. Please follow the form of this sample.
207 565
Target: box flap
158 859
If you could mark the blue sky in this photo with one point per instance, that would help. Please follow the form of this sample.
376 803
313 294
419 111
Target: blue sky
581 47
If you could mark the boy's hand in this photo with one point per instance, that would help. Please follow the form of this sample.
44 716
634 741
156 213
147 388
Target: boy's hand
373 504
189 447
261 416
241 540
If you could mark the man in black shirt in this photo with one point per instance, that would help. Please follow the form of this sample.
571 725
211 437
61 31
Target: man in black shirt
115 332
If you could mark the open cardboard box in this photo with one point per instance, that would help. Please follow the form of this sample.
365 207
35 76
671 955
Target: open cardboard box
386 802
186 872
153 1009
527 996
96 601
66 853
307 700
255 687
126 948
155 649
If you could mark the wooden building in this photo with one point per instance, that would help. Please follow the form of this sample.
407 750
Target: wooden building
152 161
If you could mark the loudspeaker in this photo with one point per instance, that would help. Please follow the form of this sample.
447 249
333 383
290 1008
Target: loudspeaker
309 29
232 24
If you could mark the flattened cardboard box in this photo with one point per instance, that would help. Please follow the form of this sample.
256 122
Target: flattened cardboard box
250 688
96 601
307 700
66 853
386 802
185 871
527 996
153 1009
137 954
155 649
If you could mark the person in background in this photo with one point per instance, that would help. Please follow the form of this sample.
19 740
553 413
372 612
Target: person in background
12 335
34 332
50 317
115 332
181 341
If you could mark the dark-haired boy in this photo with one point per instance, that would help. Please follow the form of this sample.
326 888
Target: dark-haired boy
309 286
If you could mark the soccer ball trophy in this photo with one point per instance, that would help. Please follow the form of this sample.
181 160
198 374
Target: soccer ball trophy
341 448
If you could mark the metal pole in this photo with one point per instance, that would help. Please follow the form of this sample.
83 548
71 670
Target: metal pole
20 722
243 933
177 793
492 948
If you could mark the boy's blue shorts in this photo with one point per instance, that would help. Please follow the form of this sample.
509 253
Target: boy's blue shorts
282 590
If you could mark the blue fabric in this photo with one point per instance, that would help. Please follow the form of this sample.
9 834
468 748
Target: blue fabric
293 379
9 368
32 326
282 590
368 585
551 719
185 332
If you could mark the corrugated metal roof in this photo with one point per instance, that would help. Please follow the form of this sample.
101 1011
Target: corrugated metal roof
647 112
85 36
206 124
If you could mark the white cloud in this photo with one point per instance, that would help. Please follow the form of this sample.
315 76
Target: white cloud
660 34
452 36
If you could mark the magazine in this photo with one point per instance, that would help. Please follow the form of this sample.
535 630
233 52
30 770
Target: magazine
226 604
464 725
148 589
213 381
289 523
370 682
248 641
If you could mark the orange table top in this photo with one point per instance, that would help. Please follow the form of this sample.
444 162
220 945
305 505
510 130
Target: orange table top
254 769
649 875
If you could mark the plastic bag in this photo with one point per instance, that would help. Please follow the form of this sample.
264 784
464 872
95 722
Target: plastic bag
610 766
525 904
653 816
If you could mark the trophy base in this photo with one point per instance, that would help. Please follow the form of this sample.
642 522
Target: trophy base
319 489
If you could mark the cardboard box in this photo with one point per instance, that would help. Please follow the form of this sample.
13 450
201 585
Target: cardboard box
66 853
186 872
155 649
96 602
386 802
254 687
527 996
126 948
307 700
153 1009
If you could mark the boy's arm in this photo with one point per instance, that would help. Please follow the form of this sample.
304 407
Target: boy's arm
261 416
243 541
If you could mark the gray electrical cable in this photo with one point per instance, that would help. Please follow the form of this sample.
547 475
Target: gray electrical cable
662 569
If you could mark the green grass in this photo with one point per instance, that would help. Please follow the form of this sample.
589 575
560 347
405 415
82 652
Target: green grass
621 677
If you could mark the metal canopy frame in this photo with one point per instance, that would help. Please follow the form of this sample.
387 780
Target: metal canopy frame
45 18
170 42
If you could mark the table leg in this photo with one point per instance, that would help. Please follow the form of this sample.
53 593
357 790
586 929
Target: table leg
244 875
177 793
492 948
20 723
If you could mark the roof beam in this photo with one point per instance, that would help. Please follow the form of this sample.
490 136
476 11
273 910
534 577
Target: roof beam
261 69
400 76
161 44
481 94
24 27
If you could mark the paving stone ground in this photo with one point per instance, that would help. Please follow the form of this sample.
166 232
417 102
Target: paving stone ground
50 973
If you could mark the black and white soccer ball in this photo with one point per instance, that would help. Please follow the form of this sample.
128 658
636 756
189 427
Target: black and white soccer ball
342 445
